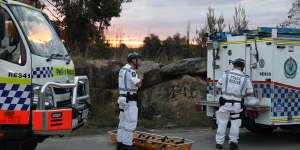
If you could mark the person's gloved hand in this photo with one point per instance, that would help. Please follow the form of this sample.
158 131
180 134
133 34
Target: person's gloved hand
122 103
140 74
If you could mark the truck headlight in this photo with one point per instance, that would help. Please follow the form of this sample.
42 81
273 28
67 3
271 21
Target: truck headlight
35 97
48 96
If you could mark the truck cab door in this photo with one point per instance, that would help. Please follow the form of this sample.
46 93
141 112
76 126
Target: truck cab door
15 72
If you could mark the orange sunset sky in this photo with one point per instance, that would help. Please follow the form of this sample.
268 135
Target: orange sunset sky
165 18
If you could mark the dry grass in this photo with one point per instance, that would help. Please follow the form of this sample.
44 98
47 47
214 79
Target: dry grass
106 115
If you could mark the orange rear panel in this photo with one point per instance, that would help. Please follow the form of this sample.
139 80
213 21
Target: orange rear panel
37 120
14 117
54 122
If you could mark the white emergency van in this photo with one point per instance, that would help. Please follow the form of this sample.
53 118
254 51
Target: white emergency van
40 95
272 62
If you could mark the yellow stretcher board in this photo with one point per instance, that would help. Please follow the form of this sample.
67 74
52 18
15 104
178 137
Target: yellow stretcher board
156 142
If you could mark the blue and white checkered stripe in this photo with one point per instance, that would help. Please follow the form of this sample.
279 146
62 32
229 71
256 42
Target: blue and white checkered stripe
265 88
42 72
209 88
285 102
15 96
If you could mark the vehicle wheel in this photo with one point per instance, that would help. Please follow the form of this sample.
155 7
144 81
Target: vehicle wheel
257 128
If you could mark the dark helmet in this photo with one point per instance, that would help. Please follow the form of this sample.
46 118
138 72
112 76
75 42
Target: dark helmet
133 55
239 62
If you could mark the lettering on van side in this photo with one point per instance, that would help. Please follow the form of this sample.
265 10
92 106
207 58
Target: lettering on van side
19 75
265 74
63 71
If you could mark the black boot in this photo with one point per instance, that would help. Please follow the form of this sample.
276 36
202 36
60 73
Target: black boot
129 147
233 146
219 146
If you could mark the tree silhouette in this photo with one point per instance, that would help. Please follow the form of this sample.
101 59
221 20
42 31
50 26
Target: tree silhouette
83 21
293 20
240 20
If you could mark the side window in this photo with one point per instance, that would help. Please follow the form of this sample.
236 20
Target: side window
11 46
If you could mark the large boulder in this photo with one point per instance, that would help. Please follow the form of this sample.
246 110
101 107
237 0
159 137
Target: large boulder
151 73
185 66
84 68
103 95
102 74
170 97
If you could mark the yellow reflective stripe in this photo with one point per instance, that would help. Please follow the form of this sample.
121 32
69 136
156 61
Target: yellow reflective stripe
1 4
278 120
241 42
25 5
15 81
63 71
236 42
264 40
286 42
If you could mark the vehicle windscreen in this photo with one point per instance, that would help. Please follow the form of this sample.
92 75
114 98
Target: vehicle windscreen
42 36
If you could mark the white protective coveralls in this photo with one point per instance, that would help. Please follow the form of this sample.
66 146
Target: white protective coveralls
128 79
234 84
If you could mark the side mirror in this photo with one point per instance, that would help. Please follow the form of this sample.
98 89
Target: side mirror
2 24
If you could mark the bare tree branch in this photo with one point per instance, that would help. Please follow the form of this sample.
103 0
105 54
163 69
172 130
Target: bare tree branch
240 20
211 20
221 23
51 3
57 18
293 19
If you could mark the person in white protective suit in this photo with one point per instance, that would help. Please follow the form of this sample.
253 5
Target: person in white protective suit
235 85
130 80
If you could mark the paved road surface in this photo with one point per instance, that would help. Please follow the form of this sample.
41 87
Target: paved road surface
204 140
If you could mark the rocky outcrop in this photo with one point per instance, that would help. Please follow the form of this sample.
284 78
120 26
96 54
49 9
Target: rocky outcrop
185 66
103 78
103 95
173 95
168 93
102 74
167 98
185 84
151 73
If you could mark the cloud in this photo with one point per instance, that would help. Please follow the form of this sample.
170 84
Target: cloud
167 17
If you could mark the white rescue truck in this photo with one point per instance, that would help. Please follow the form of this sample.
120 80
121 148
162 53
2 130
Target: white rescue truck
40 95
272 56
